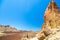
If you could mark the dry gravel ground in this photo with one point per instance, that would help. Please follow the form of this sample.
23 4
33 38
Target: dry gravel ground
17 35
12 36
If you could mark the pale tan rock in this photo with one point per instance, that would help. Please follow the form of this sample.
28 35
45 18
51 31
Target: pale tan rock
55 35
51 22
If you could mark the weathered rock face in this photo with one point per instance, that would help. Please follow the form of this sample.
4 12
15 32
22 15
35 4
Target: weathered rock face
52 16
51 24
55 35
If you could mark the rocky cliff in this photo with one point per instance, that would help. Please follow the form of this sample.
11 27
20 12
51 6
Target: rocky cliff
51 27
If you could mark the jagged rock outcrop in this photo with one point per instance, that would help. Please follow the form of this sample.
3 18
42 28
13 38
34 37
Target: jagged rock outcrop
51 22
51 27
55 35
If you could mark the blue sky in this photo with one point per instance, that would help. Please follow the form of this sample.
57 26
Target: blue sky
24 14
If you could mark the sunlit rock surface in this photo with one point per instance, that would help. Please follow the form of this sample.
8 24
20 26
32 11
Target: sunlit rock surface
51 27
55 35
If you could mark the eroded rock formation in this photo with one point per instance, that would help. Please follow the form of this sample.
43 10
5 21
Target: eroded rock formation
51 27
51 22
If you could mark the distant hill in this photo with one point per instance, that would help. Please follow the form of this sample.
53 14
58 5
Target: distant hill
7 28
